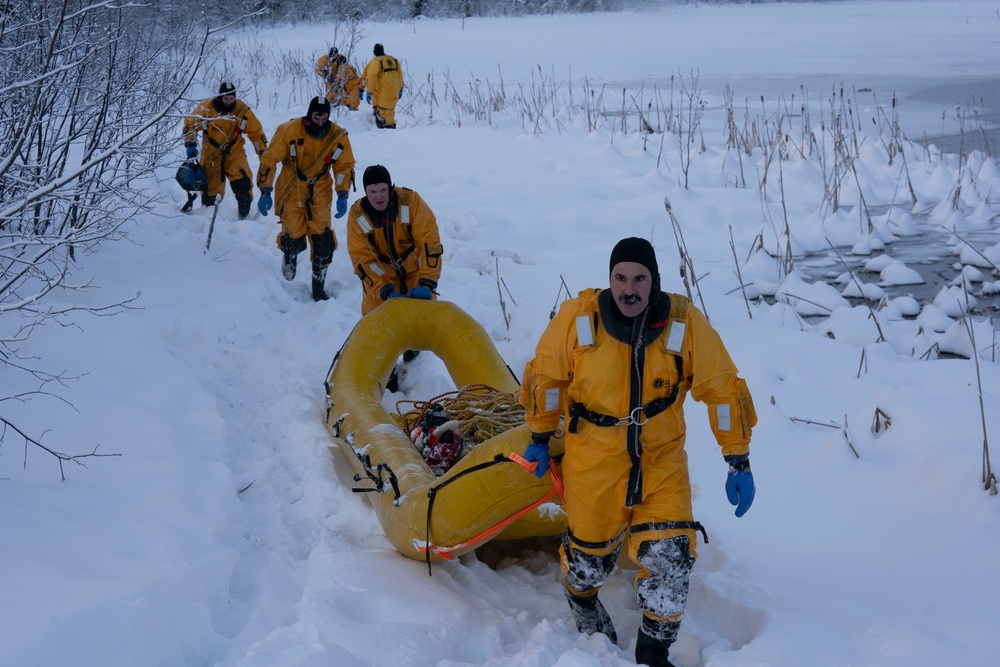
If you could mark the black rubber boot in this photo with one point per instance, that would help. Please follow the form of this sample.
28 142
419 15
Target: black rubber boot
243 190
290 249
243 207
652 651
318 278
207 200
591 616
288 265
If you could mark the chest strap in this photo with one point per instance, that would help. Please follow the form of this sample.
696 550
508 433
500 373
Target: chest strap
311 182
637 416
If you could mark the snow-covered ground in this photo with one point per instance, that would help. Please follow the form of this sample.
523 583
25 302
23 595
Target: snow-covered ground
221 532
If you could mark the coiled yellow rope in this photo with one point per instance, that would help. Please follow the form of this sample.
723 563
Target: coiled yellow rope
482 411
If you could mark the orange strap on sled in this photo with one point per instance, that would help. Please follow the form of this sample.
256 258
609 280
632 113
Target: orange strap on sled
529 466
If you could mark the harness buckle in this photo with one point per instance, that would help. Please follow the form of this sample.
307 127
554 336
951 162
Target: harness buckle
636 416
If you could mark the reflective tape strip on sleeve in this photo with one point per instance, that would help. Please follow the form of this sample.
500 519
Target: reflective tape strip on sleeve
336 153
551 399
404 215
377 270
340 179
363 224
725 417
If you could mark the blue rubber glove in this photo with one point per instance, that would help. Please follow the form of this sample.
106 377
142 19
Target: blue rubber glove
740 488
341 204
389 292
368 98
538 451
264 204
192 150
420 292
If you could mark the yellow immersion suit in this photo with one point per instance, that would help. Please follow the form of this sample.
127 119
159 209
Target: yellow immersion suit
400 245
383 78
343 85
303 194
222 154
627 479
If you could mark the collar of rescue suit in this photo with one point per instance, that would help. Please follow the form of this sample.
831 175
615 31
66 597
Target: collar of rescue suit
620 327
314 131
222 108
378 218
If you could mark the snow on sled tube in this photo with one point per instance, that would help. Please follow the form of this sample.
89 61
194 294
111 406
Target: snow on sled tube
473 496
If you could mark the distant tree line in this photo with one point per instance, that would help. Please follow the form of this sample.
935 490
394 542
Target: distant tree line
382 10
376 10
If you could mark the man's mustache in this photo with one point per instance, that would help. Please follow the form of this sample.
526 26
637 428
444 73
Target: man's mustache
630 299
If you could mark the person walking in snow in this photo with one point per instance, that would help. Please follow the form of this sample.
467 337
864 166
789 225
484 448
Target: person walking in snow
309 150
395 247
393 241
223 121
343 85
616 364
383 79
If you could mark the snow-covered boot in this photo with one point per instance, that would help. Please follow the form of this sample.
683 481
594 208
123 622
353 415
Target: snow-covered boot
243 207
319 294
290 249
243 189
591 616
318 278
288 265
652 648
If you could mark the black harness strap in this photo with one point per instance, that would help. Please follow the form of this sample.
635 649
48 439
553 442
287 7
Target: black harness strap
312 181
577 411
226 147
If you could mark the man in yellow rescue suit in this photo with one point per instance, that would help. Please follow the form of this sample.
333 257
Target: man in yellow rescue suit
308 149
395 248
223 121
616 365
383 79
393 241
343 85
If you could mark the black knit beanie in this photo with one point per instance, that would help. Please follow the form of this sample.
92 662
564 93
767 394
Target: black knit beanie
227 88
376 174
379 51
640 251
318 105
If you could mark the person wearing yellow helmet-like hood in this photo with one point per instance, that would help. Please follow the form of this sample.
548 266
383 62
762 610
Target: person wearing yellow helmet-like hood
616 365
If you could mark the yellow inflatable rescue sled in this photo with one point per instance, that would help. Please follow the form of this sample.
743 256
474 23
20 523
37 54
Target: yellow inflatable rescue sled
427 517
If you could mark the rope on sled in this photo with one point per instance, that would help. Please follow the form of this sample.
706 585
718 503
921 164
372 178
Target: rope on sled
482 412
